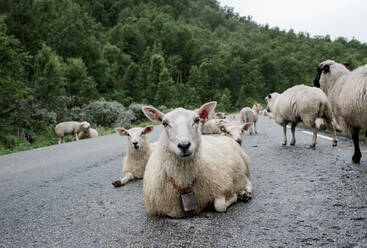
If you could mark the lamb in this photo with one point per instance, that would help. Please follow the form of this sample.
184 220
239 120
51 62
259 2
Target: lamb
187 170
305 104
347 93
235 130
90 133
257 107
70 128
249 115
138 152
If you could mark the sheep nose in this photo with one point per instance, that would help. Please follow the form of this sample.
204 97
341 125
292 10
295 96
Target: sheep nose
239 141
184 146
135 144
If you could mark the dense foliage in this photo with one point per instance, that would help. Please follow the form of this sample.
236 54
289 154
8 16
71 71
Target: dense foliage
60 57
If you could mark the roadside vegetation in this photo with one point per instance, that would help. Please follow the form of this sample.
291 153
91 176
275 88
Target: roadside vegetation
92 61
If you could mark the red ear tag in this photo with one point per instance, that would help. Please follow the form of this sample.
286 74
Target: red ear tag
204 114
148 129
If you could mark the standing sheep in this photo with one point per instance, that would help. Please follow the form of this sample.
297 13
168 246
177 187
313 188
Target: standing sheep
187 170
305 104
138 152
71 128
90 133
249 115
347 93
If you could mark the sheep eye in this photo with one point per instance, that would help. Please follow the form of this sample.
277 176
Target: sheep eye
165 123
197 120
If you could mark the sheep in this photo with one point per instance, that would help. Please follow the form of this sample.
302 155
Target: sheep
220 115
235 130
137 155
257 107
211 126
249 115
305 104
70 128
347 93
187 170
90 133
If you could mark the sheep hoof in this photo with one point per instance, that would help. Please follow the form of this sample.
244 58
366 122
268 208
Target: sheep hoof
335 143
284 144
312 146
117 183
245 196
356 160
293 143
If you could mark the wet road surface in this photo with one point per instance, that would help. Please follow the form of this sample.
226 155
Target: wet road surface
61 196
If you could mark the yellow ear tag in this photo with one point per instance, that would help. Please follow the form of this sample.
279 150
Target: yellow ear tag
123 132
223 129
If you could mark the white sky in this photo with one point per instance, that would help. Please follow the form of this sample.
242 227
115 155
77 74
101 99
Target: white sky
338 18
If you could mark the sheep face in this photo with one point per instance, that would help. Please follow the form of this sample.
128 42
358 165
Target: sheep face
135 135
235 132
181 128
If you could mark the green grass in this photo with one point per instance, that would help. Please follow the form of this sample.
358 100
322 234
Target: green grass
48 137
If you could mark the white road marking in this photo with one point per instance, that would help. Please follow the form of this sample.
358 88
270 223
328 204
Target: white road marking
319 135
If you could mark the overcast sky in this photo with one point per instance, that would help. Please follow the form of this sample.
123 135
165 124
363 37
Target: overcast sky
338 18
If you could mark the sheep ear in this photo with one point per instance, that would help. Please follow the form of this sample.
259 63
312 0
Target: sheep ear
246 126
326 68
207 108
121 131
148 129
153 114
222 128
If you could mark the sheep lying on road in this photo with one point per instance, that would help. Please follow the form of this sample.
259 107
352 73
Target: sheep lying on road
347 93
90 133
187 170
137 155
301 104
235 130
71 128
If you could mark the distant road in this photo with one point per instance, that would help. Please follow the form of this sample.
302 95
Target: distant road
62 196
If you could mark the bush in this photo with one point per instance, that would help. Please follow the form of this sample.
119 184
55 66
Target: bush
136 110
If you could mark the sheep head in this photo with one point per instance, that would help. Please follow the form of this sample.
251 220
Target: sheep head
327 72
270 99
134 135
181 128
235 132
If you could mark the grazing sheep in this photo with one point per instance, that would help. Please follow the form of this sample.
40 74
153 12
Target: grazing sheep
347 93
235 130
257 107
249 115
187 170
305 104
71 128
137 155
90 133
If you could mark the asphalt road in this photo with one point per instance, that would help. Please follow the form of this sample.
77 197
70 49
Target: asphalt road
61 196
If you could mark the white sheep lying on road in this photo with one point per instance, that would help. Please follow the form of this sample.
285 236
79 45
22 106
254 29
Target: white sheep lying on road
187 170
347 93
71 128
235 130
305 104
90 133
137 155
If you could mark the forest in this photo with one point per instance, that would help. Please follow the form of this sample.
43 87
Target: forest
100 60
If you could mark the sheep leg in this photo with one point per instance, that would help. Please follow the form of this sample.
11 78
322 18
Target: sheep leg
293 129
61 140
76 136
284 134
255 127
221 204
128 177
335 139
314 137
357 152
